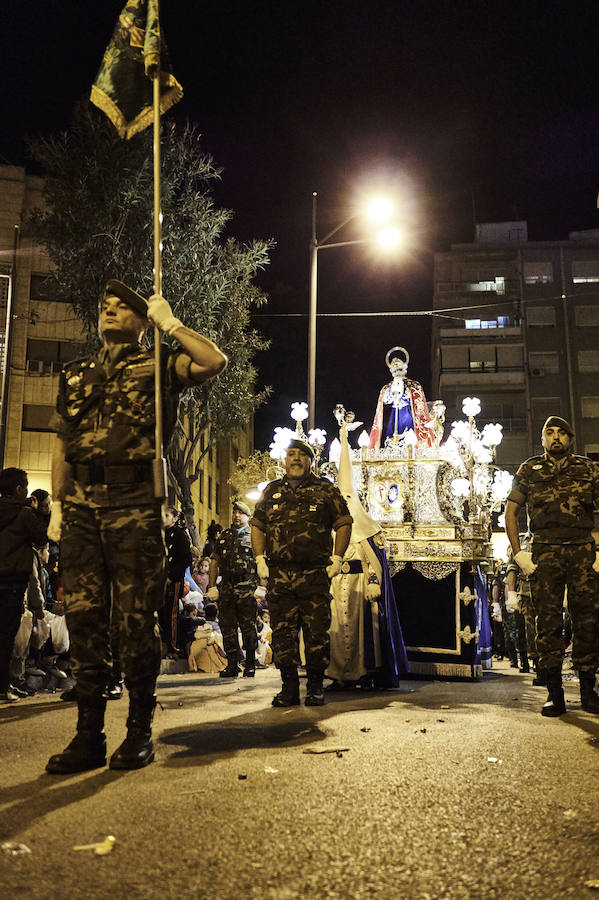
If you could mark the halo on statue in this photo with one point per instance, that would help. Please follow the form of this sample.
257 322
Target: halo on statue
395 351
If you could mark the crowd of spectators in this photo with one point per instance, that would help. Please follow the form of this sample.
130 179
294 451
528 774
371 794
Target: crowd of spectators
34 640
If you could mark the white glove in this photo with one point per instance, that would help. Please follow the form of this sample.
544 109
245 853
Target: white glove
335 566
55 524
524 560
512 602
160 313
212 594
373 590
496 613
596 563
260 592
263 571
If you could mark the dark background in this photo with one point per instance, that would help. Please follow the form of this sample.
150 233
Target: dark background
463 111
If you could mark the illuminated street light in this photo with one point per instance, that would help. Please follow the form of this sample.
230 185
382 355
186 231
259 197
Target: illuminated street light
389 237
380 209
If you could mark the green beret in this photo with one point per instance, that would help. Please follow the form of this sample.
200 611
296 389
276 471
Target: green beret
137 303
242 507
301 445
558 422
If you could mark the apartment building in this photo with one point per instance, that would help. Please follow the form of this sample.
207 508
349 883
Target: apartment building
44 334
518 327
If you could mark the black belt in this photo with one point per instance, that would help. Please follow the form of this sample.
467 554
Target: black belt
127 473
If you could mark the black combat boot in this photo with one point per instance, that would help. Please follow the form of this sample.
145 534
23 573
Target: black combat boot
137 750
540 676
556 704
513 659
114 691
314 688
289 695
87 750
524 664
232 670
249 644
588 696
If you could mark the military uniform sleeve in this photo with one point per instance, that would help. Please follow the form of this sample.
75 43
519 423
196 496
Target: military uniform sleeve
596 484
58 422
341 514
258 520
519 491
178 367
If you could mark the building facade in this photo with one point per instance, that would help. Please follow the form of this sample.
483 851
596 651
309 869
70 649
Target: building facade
518 327
39 335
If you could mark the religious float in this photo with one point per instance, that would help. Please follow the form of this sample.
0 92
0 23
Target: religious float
434 499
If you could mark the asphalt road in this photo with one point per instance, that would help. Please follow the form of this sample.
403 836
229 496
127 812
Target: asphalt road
442 789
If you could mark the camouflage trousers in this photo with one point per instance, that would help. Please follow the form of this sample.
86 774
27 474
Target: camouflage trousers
237 607
113 563
527 608
300 599
510 629
560 565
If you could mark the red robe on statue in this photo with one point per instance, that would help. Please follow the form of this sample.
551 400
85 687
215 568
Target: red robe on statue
418 407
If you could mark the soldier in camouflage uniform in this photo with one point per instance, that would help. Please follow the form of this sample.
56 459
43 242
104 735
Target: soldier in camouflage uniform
291 538
112 548
518 586
560 491
233 560
508 619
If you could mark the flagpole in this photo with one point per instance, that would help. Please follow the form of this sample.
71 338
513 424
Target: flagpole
159 465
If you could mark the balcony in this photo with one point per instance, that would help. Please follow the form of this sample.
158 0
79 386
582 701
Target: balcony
485 377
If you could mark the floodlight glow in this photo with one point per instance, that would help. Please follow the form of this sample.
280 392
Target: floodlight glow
253 495
317 437
460 487
380 209
389 238
299 411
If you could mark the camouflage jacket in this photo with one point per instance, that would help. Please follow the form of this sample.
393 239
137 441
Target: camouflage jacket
298 521
560 498
105 408
233 553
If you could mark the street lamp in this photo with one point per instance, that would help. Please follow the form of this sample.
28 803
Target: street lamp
380 209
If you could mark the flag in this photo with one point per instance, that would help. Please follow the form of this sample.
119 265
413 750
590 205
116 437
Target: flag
135 55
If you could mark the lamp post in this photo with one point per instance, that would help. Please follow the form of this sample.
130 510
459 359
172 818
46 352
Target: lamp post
389 238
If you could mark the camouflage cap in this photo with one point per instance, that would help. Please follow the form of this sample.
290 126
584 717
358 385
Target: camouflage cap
301 445
558 422
137 303
242 507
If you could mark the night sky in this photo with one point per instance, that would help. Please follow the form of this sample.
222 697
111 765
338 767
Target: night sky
460 110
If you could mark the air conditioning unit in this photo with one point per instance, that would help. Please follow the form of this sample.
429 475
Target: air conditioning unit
537 372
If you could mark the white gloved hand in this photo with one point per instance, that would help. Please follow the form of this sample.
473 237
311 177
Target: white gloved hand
160 313
55 524
260 592
373 590
496 613
212 594
524 560
261 566
512 602
596 563
335 567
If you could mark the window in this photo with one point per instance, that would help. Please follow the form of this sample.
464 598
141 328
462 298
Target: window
44 287
57 352
587 315
590 407
585 271
203 441
454 358
217 498
37 418
540 316
499 322
210 492
509 357
483 358
592 451
588 361
538 272
543 363
543 407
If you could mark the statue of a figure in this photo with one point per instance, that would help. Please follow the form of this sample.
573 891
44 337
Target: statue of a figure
401 406
437 413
